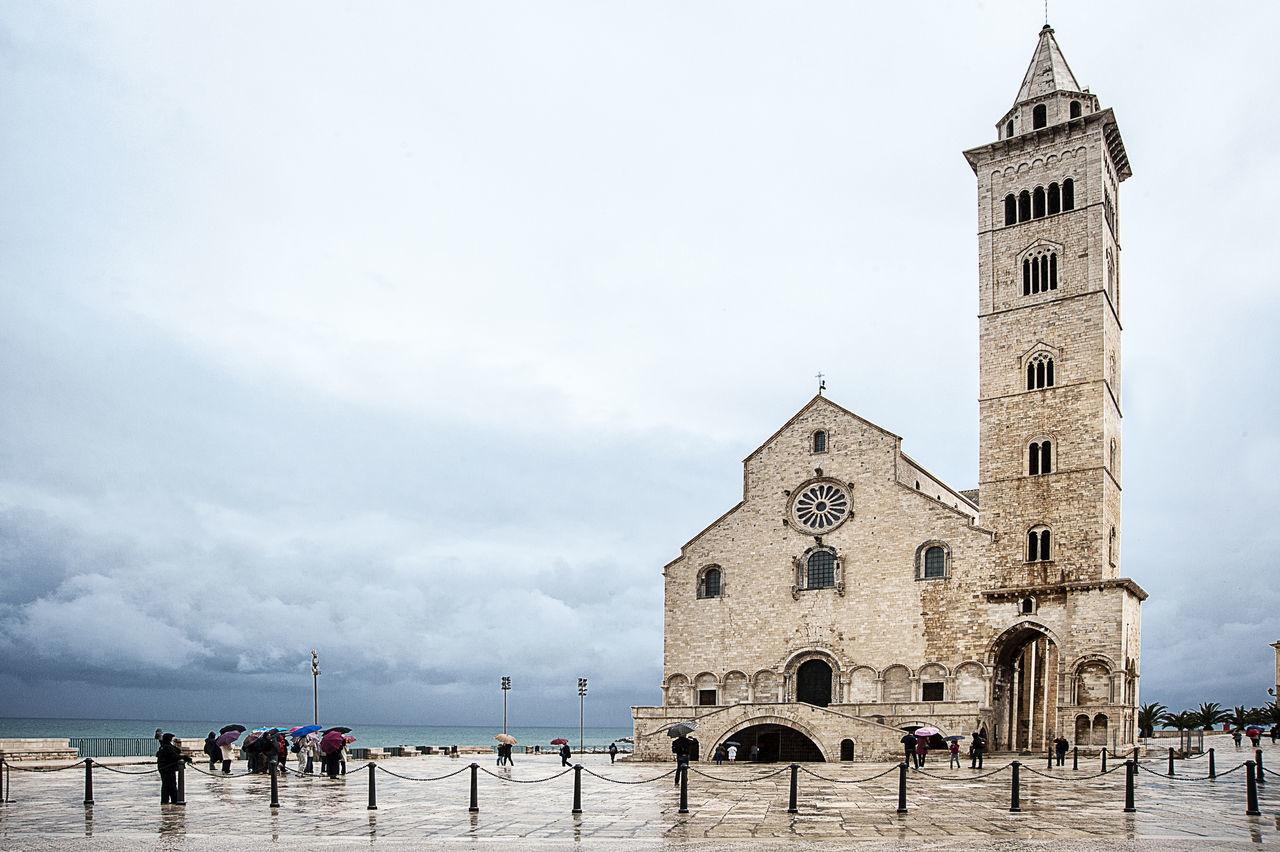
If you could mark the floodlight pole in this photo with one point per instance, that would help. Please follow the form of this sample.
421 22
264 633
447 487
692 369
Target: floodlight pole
315 687
582 703
506 687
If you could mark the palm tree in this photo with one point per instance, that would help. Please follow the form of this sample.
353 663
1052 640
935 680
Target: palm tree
1148 717
1180 721
1239 717
1209 715
1270 713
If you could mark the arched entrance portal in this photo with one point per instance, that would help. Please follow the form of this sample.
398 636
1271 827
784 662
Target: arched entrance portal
777 743
813 683
1026 680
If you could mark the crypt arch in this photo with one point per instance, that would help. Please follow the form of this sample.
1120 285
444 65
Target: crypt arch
780 739
1024 660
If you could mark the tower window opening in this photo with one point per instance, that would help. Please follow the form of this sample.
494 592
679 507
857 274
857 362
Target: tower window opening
1053 270
1026 277
709 585
820 441
1044 272
1008 129
1055 199
1040 373
1038 545
1068 194
1024 206
1037 203
1040 458
1039 116
1075 109
1010 209
1028 606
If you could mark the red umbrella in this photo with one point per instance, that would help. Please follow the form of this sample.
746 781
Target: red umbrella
559 741
331 742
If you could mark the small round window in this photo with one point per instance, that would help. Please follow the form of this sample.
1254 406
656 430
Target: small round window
821 506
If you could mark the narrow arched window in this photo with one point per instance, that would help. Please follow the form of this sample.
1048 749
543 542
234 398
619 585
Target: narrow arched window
1031 377
1046 457
1038 544
1033 459
1010 209
1040 372
709 583
935 562
1037 203
1053 270
1026 276
820 441
1075 109
1024 206
1055 199
1113 456
1048 372
1044 273
1008 129
820 572
1035 275
1039 116
1068 194
1028 606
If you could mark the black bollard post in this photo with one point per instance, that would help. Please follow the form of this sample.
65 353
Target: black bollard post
373 790
88 780
1130 772
475 789
1213 773
1262 775
1104 758
902 788
577 788
182 783
1251 790
275 791
684 788
795 784
1015 803
1170 761
1075 757
1050 757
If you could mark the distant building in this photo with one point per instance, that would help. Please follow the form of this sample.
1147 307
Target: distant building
852 593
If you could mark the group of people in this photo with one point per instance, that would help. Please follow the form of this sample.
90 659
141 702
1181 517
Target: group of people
915 749
1254 734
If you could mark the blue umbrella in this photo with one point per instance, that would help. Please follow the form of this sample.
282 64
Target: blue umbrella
304 730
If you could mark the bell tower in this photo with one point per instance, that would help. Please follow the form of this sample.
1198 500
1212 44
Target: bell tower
1049 319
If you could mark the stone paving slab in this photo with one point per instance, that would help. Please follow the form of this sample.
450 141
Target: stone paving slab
731 807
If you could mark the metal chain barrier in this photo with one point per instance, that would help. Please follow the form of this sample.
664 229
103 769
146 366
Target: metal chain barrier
153 770
44 768
1178 778
208 772
739 780
962 778
1115 768
410 778
809 771
617 781
523 780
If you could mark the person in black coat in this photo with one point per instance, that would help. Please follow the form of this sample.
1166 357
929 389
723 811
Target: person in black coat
168 759
909 746
212 749
682 747
565 754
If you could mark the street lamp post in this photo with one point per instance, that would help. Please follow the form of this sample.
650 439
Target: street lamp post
582 703
315 687
506 687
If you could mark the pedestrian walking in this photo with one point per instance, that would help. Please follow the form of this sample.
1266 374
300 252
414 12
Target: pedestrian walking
613 752
1237 735
954 749
212 750
682 747
168 759
755 752
565 754
719 755
909 748
976 748
1060 746
922 749
733 754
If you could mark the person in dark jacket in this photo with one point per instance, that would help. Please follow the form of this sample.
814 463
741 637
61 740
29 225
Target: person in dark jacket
909 747
212 749
613 748
1060 747
565 754
682 747
168 759
976 747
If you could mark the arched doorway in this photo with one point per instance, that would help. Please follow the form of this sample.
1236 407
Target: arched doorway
777 743
813 683
1026 689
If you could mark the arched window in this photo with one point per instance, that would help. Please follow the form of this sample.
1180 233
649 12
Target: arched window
1038 544
1008 129
710 582
1068 194
1075 109
1037 203
1055 199
820 441
935 562
1040 372
1024 206
1010 209
1028 606
1040 458
1111 547
820 571
1039 272
1039 116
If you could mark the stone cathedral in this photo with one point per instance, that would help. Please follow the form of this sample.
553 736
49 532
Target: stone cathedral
851 593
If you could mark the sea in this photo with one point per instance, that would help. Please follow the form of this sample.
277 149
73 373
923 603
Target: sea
368 736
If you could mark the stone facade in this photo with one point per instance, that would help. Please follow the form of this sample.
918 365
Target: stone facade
851 593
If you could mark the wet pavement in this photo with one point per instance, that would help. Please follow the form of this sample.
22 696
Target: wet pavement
623 806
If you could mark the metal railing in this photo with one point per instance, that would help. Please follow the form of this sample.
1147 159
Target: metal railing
113 746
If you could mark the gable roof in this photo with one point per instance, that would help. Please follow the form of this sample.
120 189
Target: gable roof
819 399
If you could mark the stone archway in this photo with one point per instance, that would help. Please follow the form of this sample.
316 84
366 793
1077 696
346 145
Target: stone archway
1025 700
777 743
813 682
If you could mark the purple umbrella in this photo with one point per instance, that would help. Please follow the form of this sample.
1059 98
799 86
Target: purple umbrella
331 742
228 738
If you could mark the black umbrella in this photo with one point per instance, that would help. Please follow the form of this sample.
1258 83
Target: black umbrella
679 729
239 728
339 730
954 739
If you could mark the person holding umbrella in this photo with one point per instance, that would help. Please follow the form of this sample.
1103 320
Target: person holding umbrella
682 747
565 754
331 746
168 758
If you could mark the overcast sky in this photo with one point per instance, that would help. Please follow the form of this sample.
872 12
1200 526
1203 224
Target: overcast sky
425 333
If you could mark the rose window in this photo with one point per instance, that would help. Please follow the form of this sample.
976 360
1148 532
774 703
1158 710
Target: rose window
821 506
